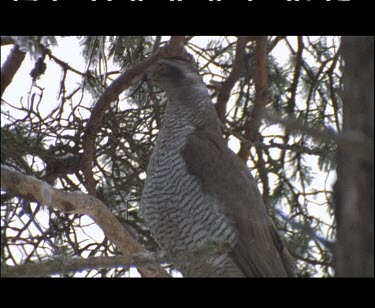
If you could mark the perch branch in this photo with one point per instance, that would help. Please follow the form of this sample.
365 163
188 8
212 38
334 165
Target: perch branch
76 203
65 265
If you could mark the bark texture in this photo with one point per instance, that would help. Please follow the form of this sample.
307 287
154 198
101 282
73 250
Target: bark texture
354 251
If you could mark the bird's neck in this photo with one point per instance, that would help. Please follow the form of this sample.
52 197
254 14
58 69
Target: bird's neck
188 106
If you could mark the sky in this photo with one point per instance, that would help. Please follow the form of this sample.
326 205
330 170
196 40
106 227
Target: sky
68 50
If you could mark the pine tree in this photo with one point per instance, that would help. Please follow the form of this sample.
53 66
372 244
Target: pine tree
96 137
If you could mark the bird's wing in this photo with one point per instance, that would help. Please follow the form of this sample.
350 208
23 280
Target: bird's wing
259 250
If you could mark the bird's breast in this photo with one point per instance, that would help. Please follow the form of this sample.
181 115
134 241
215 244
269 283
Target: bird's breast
179 213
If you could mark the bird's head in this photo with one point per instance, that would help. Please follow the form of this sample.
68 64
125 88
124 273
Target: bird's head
174 73
187 94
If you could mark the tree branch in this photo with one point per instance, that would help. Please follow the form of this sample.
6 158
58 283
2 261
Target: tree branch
260 80
124 81
292 147
156 46
273 43
307 230
357 143
65 265
76 203
10 67
293 89
63 64
228 84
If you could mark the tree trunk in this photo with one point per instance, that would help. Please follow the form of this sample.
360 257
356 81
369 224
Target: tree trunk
354 189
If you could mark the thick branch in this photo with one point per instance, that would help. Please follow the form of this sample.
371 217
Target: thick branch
10 67
260 80
76 203
124 81
65 265
228 84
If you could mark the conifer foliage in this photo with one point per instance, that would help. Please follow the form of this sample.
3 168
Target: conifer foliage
92 129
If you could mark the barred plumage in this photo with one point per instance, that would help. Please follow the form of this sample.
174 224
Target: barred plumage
199 201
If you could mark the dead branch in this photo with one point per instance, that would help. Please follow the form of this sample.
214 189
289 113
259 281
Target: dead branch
35 190
66 265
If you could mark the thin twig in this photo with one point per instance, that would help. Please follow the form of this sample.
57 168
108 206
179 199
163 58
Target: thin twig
354 141
306 230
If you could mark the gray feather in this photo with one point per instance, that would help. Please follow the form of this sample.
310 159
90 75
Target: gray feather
200 201
259 250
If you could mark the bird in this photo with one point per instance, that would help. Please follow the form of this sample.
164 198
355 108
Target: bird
199 200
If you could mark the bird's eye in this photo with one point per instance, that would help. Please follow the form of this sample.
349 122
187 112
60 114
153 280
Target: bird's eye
159 71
